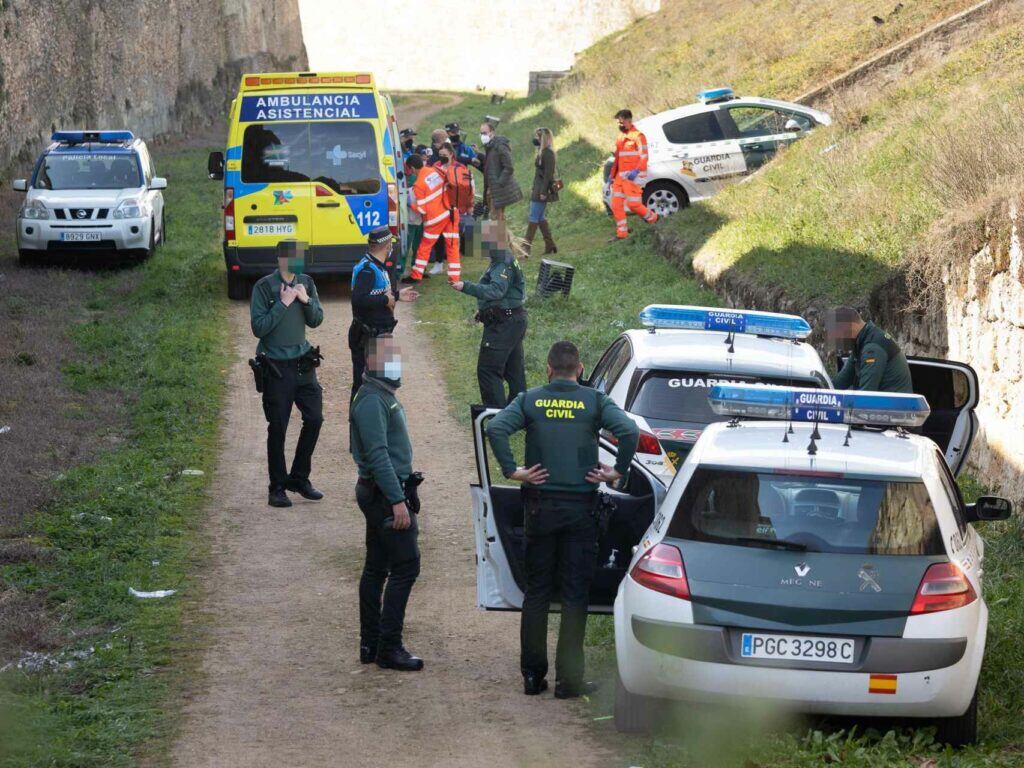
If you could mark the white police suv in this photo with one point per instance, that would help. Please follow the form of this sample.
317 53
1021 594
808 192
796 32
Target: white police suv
821 560
696 150
91 191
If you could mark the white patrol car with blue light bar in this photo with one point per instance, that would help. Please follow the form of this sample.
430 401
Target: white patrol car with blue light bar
93 191
696 150
821 560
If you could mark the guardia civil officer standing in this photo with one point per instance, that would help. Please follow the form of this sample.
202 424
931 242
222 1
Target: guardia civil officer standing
283 304
374 294
385 491
560 478
500 295
876 362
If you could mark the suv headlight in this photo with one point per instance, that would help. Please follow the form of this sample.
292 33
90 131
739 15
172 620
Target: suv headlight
34 209
130 209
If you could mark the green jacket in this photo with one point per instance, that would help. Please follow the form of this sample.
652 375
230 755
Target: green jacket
562 421
280 329
877 364
380 438
502 284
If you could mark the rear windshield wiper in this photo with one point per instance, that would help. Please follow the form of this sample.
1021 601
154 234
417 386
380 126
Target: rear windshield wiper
776 543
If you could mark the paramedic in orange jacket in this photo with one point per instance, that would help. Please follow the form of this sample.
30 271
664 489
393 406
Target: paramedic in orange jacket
440 217
630 162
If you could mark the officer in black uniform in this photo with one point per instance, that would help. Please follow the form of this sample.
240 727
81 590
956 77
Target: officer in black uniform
560 479
876 363
284 303
374 294
500 296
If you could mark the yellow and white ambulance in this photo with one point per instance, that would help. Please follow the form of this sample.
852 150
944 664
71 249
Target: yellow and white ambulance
313 157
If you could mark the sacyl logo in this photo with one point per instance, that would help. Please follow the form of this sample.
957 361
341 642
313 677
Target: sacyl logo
802 569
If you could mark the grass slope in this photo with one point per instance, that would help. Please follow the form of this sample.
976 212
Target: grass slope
128 519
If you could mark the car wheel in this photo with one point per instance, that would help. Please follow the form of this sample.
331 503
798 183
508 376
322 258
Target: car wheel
665 197
148 252
959 731
632 712
163 228
238 287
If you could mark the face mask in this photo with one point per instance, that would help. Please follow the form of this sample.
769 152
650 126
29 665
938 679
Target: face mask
485 138
393 370
446 159
624 129
407 143
536 141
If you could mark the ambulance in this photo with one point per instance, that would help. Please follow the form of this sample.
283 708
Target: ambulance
313 157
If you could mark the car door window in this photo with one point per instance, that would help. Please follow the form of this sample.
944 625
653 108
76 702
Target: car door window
754 121
956 500
147 165
599 380
694 129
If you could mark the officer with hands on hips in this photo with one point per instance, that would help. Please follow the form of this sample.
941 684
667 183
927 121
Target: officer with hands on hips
283 304
560 478
374 294
387 496
500 296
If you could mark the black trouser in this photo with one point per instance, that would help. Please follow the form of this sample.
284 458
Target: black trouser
356 343
501 360
561 545
297 386
391 556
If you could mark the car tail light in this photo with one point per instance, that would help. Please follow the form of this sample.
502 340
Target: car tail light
229 213
648 444
393 208
661 569
943 588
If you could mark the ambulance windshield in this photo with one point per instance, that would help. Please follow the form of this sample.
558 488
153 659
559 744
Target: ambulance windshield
88 171
340 155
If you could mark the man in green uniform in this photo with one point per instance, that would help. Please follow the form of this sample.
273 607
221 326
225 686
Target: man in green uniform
500 295
283 304
875 363
560 478
386 494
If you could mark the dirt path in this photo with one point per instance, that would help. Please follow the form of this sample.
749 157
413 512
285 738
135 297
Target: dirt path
283 687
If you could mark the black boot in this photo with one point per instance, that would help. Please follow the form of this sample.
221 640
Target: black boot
304 488
531 232
549 241
367 654
398 658
566 691
278 498
534 684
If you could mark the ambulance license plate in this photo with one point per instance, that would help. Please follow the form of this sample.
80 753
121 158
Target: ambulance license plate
271 229
80 237
794 648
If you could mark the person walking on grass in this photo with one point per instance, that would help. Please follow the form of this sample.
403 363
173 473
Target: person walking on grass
544 190
500 187
628 175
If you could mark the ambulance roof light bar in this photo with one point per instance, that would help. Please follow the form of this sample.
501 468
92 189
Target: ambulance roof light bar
745 321
826 406
715 95
92 137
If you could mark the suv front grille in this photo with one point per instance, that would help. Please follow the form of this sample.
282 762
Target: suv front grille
81 214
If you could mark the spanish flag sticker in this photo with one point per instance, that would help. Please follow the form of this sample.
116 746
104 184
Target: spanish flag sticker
882 684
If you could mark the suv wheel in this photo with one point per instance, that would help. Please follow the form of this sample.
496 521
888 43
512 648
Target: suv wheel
238 287
665 197
632 712
959 731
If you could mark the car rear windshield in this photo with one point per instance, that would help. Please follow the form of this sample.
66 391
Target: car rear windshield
683 396
339 155
807 513
88 170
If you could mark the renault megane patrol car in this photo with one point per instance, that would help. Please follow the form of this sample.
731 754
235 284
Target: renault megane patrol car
696 150
91 191
823 561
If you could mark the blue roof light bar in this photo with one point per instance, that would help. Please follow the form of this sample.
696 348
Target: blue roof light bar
828 406
727 320
712 95
97 137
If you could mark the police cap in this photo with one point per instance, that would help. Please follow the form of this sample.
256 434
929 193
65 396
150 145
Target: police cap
452 129
407 133
379 236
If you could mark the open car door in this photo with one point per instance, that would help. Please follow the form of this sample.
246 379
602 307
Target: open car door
500 539
952 392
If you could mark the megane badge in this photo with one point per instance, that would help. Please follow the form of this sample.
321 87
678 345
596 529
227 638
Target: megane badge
869 578
802 569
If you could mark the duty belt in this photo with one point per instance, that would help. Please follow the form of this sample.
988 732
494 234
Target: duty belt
493 315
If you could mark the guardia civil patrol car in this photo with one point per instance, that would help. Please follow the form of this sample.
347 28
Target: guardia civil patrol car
313 157
91 191
821 560
696 150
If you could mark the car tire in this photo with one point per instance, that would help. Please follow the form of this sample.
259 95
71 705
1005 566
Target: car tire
959 731
632 712
665 197
238 287
147 253
163 228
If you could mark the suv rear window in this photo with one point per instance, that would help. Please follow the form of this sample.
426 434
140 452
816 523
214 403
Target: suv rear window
683 395
339 155
808 513
88 170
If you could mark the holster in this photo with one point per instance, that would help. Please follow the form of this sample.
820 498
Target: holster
412 494
604 511
310 360
259 370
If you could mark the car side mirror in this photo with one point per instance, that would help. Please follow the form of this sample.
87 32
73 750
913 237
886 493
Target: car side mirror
988 508
20 185
158 182
215 165
792 126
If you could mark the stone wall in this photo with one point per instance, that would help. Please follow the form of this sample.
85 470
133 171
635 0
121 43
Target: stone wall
153 66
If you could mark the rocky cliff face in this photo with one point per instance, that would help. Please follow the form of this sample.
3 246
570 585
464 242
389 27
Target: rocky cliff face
153 66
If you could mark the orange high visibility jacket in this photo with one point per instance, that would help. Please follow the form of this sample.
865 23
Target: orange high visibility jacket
430 193
630 152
